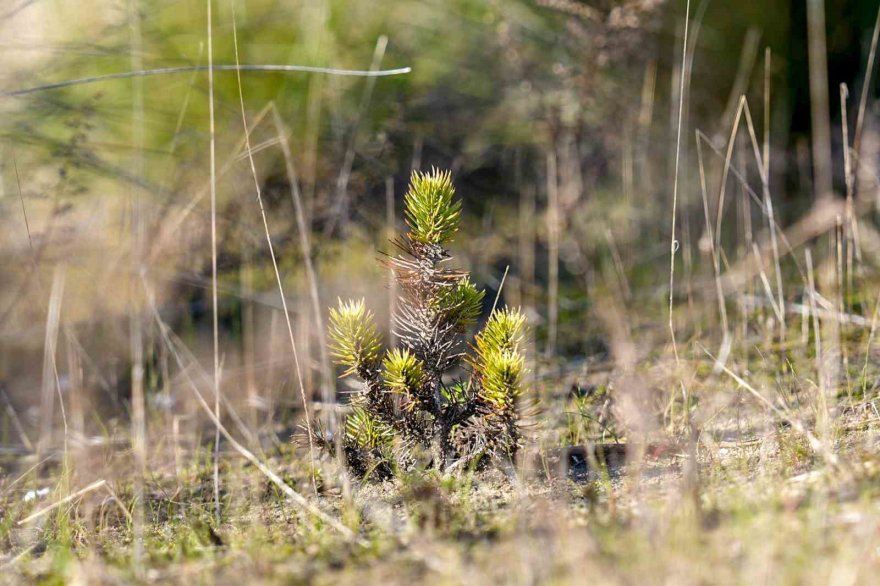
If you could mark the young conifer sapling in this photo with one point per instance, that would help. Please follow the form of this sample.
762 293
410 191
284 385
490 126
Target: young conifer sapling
409 403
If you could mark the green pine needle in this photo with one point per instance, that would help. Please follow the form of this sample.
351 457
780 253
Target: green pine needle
354 339
501 378
499 363
503 332
461 303
404 373
431 212
365 431
456 393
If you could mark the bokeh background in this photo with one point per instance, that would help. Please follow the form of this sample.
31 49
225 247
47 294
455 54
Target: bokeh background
558 119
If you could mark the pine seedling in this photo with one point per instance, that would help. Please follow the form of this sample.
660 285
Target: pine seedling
408 401
355 341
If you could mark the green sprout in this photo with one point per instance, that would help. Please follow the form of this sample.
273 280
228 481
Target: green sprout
404 372
503 332
461 303
354 339
366 431
431 213
499 361
456 393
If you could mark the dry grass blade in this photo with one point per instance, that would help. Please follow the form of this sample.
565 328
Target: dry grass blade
138 405
552 250
214 316
27 225
341 203
112 494
866 87
23 475
15 420
716 258
302 390
873 331
728 157
327 383
500 287
51 380
18 557
768 201
673 242
821 125
766 283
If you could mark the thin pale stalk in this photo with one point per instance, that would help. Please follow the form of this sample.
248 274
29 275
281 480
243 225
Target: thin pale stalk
866 86
328 394
819 112
302 390
552 250
673 243
215 318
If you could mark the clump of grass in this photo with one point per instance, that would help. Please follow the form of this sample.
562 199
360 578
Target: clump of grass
406 405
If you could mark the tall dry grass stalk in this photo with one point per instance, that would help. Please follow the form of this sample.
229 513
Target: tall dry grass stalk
866 87
214 313
768 202
138 403
819 105
51 388
552 250
673 242
822 414
340 206
258 192
76 391
716 258
390 231
304 230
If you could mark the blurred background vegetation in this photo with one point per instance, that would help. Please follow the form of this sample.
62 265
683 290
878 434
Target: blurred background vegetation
749 441
557 117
